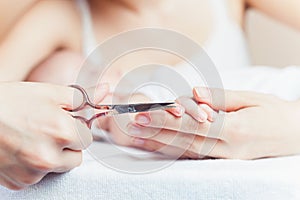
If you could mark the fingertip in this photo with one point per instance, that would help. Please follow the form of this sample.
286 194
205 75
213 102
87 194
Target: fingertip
177 111
202 116
142 118
209 111
201 93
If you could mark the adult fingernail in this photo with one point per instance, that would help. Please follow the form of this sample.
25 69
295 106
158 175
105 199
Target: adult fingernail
196 93
201 93
142 119
202 117
179 110
133 130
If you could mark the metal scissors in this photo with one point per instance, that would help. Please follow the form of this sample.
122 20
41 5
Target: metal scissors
115 109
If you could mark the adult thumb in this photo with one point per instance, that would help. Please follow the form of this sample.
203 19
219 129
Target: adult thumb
225 100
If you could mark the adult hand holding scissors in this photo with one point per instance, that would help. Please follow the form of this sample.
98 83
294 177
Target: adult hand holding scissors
37 134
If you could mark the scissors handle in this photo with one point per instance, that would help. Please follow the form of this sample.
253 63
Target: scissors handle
86 101
108 110
89 122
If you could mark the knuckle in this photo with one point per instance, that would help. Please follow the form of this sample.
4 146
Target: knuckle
37 160
64 138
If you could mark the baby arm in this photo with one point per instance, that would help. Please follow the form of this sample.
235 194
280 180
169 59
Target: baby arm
43 29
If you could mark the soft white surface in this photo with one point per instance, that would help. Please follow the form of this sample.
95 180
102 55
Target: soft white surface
281 82
203 179
276 178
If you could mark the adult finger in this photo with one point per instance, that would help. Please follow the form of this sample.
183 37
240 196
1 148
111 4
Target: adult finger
71 133
68 160
226 100
177 111
192 108
161 119
157 147
202 146
209 111
69 97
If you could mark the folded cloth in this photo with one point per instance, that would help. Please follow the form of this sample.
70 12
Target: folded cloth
109 177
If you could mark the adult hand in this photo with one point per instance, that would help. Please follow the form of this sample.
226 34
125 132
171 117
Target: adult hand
37 135
255 126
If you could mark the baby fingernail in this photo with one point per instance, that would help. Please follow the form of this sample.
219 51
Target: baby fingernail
133 130
142 119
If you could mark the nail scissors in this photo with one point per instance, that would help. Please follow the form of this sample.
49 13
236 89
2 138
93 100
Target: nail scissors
115 109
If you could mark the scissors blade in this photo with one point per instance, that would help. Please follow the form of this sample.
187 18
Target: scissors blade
141 107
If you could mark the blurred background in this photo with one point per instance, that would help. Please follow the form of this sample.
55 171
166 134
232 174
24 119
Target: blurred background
271 43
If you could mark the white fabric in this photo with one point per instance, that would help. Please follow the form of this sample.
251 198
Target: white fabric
276 178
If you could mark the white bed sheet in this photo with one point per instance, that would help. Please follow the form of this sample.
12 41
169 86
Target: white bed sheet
273 178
